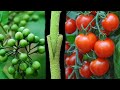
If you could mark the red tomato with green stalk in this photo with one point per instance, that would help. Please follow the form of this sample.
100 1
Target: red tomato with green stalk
67 17
94 12
85 43
70 26
65 56
84 20
104 48
107 33
99 66
68 71
67 45
85 70
70 61
110 22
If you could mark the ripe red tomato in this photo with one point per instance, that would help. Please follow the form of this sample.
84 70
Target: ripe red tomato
106 32
104 48
67 18
94 12
84 20
80 55
67 45
65 56
99 66
70 60
85 70
70 26
68 71
111 22
85 42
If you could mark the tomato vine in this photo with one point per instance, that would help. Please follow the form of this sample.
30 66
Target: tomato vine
103 30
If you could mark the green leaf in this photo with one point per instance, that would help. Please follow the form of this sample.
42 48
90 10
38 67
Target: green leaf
116 60
72 14
71 38
4 17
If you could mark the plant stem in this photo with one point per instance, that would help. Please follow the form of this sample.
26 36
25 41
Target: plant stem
29 48
97 22
70 76
54 44
54 28
34 46
32 52
26 49
54 59
103 35
3 28
77 62
90 23
30 59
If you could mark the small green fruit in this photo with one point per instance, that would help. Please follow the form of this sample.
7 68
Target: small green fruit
21 29
29 71
36 65
16 20
23 66
36 39
3 58
41 49
42 41
23 23
26 32
18 36
14 27
11 42
2 52
11 70
14 61
23 43
23 56
31 37
1 37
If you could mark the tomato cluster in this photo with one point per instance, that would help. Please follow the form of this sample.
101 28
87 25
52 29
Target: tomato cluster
19 43
87 40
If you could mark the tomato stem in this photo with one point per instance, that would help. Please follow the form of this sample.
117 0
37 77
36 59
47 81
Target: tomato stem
54 28
77 73
70 76
97 22
54 45
85 29
71 47
54 59
77 61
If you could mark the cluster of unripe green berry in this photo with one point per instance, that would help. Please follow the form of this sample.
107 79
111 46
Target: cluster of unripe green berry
23 17
20 46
